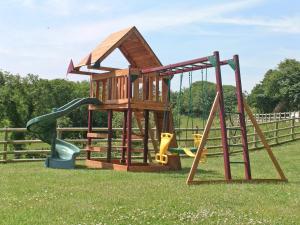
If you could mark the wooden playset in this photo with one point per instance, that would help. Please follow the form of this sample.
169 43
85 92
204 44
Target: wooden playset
144 87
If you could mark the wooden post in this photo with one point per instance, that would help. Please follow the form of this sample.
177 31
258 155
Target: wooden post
135 90
280 116
222 117
90 121
129 119
89 140
203 140
124 137
58 133
293 128
276 131
104 83
5 145
240 102
265 143
109 136
157 88
146 116
146 128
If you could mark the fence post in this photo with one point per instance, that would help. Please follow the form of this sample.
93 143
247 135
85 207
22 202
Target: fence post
276 132
5 145
293 128
254 137
58 133
229 138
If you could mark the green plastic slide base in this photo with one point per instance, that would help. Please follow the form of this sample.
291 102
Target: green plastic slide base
57 163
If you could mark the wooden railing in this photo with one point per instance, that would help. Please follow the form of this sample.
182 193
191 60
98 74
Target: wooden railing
267 117
277 132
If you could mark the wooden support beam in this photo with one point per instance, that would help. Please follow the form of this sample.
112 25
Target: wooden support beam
136 90
222 117
129 121
109 139
239 94
104 88
124 137
157 88
97 89
264 141
90 119
204 139
146 125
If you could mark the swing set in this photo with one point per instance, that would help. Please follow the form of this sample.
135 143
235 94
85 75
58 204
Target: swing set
218 105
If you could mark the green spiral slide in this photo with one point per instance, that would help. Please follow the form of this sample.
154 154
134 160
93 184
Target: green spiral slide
63 154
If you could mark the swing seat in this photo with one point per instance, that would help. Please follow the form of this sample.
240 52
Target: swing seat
165 140
182 151
197 139
189 152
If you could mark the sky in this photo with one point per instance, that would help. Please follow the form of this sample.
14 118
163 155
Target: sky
41 36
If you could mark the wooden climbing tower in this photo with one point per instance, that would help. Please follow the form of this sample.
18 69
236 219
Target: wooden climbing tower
129 91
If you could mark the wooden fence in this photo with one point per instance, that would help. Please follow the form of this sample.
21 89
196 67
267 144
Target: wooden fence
277 132
267 117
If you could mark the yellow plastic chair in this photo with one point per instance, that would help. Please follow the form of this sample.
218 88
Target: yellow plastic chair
165 140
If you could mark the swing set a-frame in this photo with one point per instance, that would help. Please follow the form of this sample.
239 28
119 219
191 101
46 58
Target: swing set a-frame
218 105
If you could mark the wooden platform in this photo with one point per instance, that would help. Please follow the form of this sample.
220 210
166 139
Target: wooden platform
135 167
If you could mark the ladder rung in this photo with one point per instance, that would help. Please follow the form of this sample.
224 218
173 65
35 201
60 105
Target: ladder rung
238 162
233 128
95 149
136 136
236 113
235 145
118 146
101 149
97 135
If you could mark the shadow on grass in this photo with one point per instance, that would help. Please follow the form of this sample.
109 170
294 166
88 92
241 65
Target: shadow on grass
173 173
80 167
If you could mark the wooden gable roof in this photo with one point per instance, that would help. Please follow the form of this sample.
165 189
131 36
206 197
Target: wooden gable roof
132 45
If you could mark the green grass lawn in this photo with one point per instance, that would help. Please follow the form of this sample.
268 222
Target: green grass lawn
32 194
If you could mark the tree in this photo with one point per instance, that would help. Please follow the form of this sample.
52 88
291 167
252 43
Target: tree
202 97
279 90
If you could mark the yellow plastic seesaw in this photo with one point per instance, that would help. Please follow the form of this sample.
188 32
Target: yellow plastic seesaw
165 141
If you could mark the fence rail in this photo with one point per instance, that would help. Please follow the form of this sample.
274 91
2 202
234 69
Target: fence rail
277 132
267 117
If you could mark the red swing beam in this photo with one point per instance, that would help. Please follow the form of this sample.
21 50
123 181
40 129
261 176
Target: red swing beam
181 67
